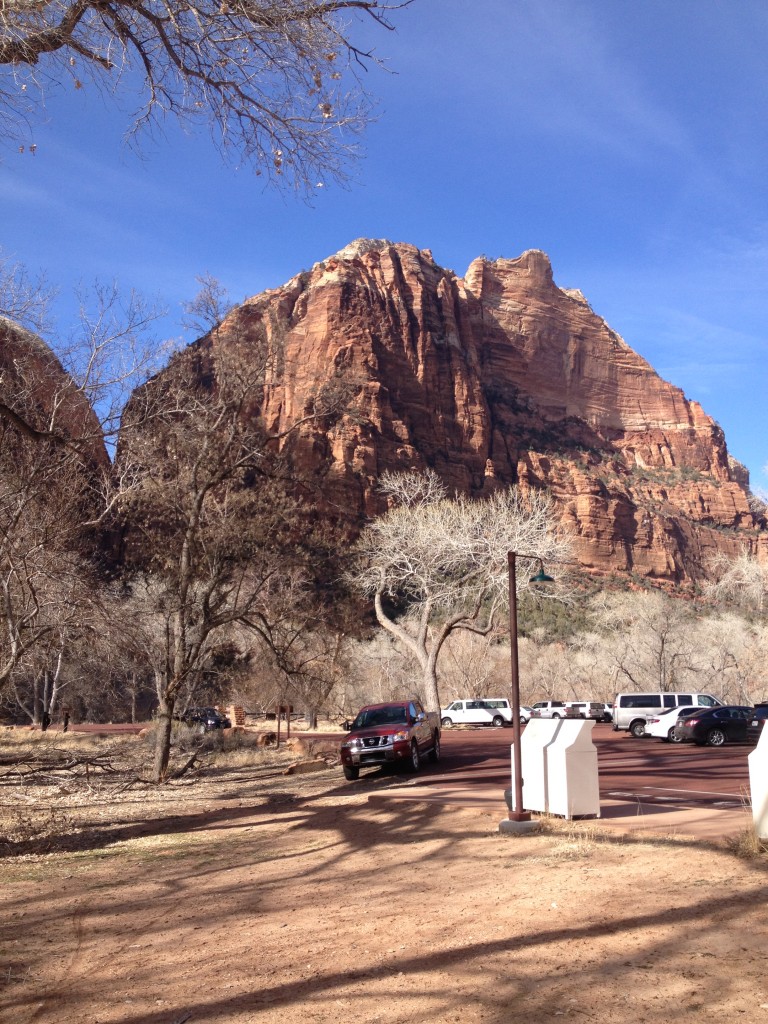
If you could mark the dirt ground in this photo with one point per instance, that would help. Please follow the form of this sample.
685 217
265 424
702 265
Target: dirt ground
244 894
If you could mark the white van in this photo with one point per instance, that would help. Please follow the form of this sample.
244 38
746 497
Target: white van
478 711
632 710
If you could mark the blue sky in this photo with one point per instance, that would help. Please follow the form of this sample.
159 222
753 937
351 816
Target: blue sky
627 140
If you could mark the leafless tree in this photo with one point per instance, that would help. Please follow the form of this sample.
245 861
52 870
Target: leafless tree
208 308
46 487
54 465
650 640
740 581
469 666
278 81
434 564
213 536
731 657
71 391
24 299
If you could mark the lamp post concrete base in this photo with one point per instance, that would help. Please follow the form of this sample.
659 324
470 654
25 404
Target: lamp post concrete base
519 828
518 823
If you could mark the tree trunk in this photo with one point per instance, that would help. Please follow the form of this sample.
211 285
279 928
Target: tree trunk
163 739
431 693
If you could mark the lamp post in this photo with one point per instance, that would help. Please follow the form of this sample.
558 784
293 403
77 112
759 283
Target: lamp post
516 812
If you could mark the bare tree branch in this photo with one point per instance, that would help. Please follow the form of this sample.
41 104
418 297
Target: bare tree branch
278 81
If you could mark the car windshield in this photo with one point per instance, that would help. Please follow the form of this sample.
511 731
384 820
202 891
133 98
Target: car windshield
381 716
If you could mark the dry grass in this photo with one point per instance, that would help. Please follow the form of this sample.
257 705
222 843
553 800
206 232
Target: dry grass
749 846
70 792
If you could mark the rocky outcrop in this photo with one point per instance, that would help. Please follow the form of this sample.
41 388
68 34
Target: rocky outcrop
40 401
496 378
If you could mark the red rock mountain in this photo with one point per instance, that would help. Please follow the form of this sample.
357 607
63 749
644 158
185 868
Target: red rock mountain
38 395
496 378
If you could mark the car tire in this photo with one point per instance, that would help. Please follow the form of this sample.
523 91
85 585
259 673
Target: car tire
674 735
716 738
446 723
556 715
434 754
497 721
351 772
637 729
414 761
523 720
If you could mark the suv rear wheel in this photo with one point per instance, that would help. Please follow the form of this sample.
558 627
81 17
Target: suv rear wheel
497 720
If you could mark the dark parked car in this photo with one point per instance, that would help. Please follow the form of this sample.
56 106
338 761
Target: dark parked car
716 726
205 719
759 718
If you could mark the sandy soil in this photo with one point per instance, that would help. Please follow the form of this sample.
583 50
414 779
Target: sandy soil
249 895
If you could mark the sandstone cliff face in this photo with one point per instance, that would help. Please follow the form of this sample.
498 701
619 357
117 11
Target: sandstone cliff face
37 395
497 378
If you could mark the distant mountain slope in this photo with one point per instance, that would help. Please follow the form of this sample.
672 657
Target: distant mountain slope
497 378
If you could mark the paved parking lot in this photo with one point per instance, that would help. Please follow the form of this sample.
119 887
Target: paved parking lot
645 784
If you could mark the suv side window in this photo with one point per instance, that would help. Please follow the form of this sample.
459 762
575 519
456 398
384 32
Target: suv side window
685 698
706 701
669 700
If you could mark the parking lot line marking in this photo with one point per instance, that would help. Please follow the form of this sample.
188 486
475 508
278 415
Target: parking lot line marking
695 792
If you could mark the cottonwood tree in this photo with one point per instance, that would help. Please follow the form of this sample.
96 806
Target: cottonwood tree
741 581
434 565
731 657
649 640
470 663
376 670
277 81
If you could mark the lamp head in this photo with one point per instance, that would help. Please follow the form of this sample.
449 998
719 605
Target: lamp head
541 576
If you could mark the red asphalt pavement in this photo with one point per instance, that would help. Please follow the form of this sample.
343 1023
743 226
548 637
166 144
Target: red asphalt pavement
646 785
